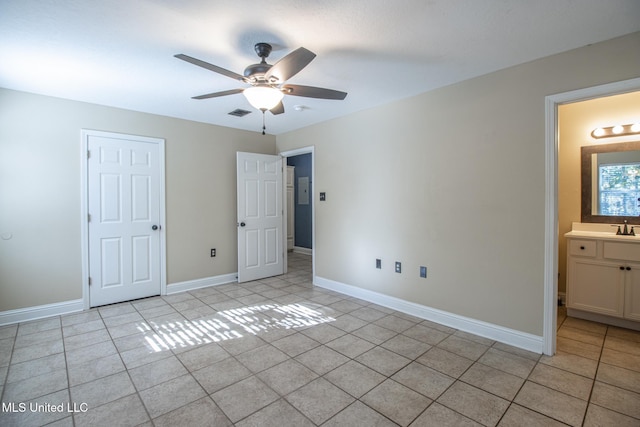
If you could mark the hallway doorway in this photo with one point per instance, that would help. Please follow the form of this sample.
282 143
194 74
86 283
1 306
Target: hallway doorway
304 235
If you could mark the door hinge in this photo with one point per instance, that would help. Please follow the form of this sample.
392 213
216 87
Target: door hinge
88 154
88 217
89 281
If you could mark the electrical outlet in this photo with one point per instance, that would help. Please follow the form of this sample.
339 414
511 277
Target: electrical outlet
423 272
398 267
213 252
323 196
378 263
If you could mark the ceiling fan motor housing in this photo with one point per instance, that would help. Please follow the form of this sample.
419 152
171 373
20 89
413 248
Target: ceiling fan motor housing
255 72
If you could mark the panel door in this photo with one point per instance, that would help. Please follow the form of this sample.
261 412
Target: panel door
124 215
260 217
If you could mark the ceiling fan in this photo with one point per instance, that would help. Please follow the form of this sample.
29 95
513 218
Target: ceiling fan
267 81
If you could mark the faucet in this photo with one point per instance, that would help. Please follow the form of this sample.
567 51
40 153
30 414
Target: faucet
625 231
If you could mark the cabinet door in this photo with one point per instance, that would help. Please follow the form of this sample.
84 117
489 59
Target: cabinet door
632 291
596 286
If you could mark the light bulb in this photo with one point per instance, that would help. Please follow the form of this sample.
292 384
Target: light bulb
635 127
598 132
617 129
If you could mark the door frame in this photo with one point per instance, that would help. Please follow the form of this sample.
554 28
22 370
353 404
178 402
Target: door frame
551 195
297 152
84 201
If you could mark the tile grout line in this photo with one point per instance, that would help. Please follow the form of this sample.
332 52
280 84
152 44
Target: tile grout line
13 345
66 368
595 376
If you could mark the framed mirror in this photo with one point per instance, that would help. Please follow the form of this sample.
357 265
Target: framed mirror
611 183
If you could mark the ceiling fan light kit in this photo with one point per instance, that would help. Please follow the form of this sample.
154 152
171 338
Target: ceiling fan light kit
267 81
263 97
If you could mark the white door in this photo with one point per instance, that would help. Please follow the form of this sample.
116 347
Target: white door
124 207
260 227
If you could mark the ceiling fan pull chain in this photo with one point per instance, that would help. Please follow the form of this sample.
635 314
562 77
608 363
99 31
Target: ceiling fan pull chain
263 126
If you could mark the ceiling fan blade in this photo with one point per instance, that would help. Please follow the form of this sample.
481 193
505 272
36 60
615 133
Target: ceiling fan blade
313 92
210 67
217 94
290 65
278 109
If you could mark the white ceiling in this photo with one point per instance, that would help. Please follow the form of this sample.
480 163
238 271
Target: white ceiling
120 52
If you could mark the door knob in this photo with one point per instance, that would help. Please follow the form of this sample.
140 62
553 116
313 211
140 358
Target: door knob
154 227
242 224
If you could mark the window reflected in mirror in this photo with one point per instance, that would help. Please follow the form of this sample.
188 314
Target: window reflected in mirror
618 185
611 183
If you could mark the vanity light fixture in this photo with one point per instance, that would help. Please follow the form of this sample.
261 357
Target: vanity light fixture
618 130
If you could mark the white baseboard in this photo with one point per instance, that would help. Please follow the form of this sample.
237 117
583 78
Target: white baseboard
499 333
504 335
303 251
190 285
38 312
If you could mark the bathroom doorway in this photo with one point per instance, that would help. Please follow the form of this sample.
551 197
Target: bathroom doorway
552 103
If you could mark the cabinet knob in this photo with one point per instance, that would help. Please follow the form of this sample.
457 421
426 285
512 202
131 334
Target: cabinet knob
628 268
582 248
621 267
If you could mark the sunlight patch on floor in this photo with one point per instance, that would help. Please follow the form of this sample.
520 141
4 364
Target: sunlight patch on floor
230 324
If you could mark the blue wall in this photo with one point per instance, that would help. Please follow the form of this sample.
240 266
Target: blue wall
302 212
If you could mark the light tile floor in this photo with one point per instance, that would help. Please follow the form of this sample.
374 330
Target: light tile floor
280 352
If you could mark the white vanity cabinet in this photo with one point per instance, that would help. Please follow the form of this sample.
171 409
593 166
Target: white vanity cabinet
603 276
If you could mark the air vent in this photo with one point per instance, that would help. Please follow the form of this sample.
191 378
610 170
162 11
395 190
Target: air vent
238 112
